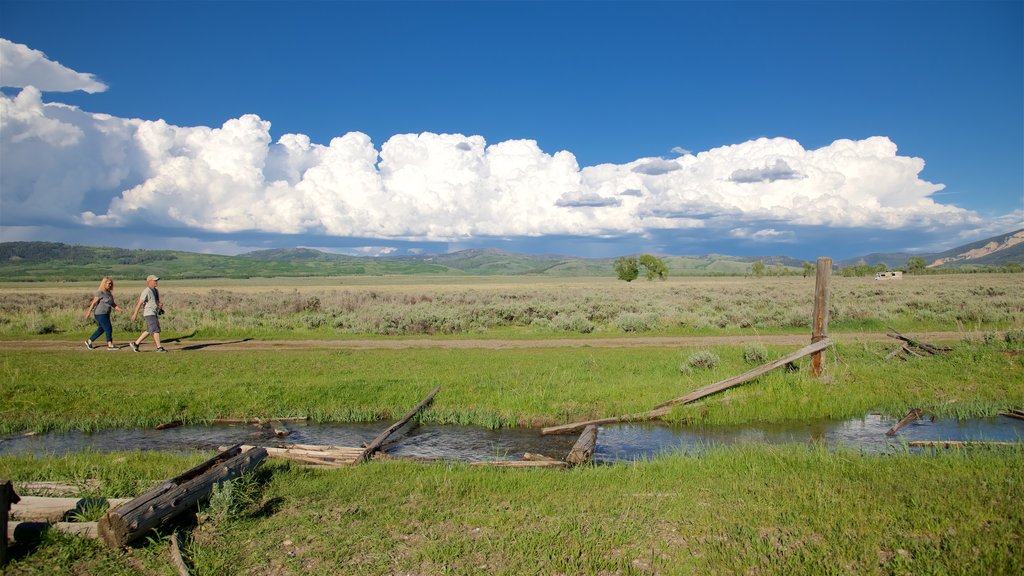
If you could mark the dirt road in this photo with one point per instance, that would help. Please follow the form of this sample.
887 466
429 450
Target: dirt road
187 344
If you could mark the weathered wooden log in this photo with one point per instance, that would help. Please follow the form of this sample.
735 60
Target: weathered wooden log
583 449
914 414
383 436
58 488
958 443
896 353
259 421
929 348
171 424
143 513
26 532
315 455
8 498
49 509
1014 414
578 426
750 375
539 458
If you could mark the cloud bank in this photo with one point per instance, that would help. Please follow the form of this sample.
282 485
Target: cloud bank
66 166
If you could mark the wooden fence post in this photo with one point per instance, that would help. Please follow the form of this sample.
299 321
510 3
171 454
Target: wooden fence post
821 304
7 499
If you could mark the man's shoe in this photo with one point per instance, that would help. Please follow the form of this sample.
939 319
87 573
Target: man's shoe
134 346
113 347
161 349
88 345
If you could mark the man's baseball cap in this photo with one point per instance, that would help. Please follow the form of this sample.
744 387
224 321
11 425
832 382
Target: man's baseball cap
152 277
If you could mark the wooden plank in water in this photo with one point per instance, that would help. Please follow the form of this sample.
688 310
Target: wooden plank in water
750 375
583 449
578 426
1019 414
383 436
910 417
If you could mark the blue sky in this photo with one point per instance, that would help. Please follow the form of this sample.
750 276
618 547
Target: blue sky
589 128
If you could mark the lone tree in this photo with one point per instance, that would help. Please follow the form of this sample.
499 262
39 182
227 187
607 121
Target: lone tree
916 265
627 268
654 267
758 268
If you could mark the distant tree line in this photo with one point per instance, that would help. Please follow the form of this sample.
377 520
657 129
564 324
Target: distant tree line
40 252
916 265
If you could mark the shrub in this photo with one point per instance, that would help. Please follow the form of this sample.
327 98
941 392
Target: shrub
705 359
573 323
1015 338
755 354
634 322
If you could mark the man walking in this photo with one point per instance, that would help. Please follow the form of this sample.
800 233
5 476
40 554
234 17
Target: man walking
149 301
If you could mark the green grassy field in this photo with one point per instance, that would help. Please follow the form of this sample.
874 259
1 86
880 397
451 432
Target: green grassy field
60 390
747 509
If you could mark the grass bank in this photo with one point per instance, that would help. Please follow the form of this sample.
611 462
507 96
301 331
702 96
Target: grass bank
790 510
83 390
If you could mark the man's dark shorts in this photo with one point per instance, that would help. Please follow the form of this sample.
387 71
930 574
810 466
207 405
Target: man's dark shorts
152 324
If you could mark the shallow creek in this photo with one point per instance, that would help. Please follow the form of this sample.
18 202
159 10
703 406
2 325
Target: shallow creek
615 443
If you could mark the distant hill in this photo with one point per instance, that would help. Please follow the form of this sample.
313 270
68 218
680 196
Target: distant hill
39 261
995 251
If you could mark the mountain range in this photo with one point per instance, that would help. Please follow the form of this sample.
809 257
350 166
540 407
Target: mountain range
995 251
37 261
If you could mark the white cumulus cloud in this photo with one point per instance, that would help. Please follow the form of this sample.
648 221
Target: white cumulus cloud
22 66
62 164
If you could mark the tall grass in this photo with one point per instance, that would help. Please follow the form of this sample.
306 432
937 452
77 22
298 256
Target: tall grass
745 509
539 309
77 390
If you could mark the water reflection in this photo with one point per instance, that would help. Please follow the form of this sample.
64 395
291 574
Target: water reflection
615 443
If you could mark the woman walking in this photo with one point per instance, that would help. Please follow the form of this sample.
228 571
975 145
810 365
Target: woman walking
101 306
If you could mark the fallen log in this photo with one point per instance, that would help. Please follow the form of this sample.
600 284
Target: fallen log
578 426
334 456
259 421
136 517
958 443
583 449
26 532
539 458
280 430
910 417
58 488
171 424
383 436
1019 414
922 345
750 375
49 509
